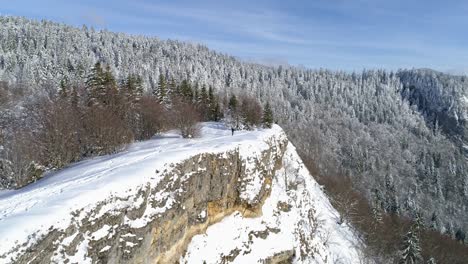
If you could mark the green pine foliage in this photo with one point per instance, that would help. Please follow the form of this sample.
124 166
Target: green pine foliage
173 88
108 78
233 103
267 116
96 76
215 112
186 91
161 91
196 94
63 89
204 95
94 84
132 90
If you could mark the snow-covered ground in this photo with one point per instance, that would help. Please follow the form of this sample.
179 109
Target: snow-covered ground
298 217
308 228
49 202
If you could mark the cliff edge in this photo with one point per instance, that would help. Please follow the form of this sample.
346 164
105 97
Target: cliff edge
245 198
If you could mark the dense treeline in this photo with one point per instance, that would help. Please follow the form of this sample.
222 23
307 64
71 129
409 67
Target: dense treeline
386 131
388 237
101 116
442 100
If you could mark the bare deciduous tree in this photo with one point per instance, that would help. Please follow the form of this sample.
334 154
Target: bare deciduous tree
251 111
59 137
152 117
185 117
104 132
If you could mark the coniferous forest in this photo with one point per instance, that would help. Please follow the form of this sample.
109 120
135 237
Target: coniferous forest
389 147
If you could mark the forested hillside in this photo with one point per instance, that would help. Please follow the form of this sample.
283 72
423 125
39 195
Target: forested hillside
442 99
397 135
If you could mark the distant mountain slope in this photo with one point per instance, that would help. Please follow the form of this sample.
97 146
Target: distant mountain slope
442 99
370 126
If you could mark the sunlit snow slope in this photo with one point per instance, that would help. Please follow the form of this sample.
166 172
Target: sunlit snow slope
298 222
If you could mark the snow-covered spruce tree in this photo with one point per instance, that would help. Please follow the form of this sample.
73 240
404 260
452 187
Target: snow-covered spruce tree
173 90
186 91
203 99
161 90
64 88
95 85
411 249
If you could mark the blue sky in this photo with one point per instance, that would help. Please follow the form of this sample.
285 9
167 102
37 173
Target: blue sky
336 34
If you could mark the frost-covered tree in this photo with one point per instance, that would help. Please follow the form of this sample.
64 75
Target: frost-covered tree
95 85
411 249
161 91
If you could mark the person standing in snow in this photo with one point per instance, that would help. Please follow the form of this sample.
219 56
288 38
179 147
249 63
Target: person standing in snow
232 130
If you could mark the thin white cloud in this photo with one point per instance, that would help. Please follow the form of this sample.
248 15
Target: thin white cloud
257 33
264 25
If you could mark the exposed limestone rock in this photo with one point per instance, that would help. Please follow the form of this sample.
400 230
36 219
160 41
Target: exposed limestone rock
156 225
284 257
297 225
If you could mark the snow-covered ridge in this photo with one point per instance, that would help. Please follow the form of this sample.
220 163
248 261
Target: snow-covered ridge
84 192
246 198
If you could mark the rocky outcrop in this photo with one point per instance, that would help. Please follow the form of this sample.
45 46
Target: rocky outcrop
297 225
284 257
156 224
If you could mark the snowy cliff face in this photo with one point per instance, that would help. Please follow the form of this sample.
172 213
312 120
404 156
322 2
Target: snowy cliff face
297 225
245 198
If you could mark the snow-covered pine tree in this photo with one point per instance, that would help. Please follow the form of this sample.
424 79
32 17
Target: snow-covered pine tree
196 98
173 90
95 84
63 89
161 90
132 90
204 95
411 249
186 91
233 116
108 95
214 112
418 222
267 116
